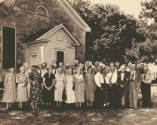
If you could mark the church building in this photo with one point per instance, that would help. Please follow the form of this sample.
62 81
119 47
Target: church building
38 31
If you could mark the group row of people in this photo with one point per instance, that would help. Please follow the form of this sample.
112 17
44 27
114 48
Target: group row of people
111 85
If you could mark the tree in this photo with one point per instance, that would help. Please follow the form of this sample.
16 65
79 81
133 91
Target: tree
114 34
148 48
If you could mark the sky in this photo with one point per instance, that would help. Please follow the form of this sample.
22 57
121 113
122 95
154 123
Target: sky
132 7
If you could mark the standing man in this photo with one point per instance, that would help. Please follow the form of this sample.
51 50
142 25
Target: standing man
124 77
99 80
146 87
114 98
134 86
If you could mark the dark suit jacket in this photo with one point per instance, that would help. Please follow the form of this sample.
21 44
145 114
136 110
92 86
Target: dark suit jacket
125 81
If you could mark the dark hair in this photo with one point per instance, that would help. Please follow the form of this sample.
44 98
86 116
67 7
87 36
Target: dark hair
89 68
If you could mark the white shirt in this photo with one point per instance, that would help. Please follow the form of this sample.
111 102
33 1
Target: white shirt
99 79
114 77
122 76
108 78
133 73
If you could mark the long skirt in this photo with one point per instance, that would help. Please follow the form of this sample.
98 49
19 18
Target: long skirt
90 93
79 93
58 93
48 95
36 94
146 94
22 95
10 93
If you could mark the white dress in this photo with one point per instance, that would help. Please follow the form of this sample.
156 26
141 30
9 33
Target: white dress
69 89
59 87
22 95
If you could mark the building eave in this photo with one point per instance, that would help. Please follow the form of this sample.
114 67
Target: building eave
45 37
76 17
37 42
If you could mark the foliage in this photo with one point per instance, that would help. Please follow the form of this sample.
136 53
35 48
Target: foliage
149 47
114 35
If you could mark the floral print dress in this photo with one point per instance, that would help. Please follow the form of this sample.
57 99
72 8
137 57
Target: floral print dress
36 88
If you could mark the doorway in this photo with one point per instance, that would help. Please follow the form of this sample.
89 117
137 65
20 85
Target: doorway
60 57
9 46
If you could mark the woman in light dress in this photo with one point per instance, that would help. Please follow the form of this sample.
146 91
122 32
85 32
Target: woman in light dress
9 95
70 94
90 87
22 81
27 71
59 87
79 87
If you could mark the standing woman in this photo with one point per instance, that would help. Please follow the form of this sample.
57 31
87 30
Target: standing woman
22 81
36 88
70 94
59 87
27 71
146 88
79 88
48 82
90 87
9 95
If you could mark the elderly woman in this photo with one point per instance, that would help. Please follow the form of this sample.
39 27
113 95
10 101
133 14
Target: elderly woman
27 71
48 83
21 79
90 87
79 88
69 80
146 87
59 87
9 95
36 88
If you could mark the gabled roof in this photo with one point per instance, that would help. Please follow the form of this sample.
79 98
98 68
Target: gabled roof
44 37
74 15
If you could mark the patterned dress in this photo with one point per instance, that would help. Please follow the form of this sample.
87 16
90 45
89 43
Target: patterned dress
36 88
59 87
10 88
90 87
79 88
22 95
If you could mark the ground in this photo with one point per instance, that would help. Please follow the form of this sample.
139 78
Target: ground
140 116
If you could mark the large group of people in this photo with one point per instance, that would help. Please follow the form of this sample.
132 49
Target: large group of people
101 85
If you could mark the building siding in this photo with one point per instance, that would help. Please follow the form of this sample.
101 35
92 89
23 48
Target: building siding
50 49
28 24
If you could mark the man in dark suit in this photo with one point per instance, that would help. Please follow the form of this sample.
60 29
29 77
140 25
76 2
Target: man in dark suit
123 81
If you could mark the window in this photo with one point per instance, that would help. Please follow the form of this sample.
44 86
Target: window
9 46
41 11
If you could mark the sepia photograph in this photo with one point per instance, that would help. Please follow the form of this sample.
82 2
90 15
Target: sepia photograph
78 62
